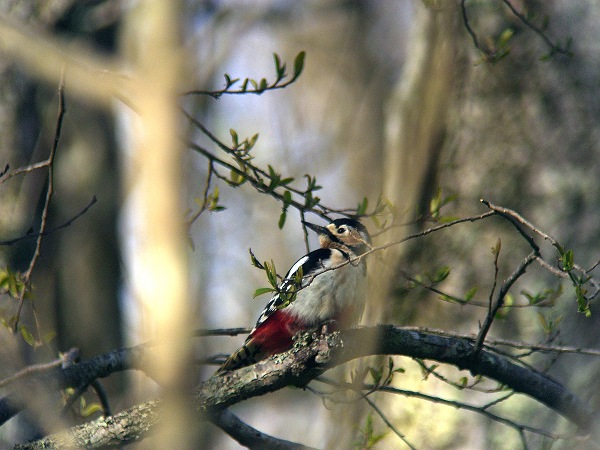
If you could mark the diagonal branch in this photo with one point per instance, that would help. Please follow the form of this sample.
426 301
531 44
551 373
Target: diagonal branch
91 203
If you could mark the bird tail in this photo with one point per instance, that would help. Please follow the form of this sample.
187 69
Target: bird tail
246 355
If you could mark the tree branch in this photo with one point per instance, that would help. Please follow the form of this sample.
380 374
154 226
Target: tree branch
311 356
248 436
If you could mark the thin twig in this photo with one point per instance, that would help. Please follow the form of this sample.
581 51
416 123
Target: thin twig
489 343
500 299
465 17
259 174
221 332
39 368
257 91
554 48
6 175
388 423
102 397
52 230
204 195
496 270
49 192
443 401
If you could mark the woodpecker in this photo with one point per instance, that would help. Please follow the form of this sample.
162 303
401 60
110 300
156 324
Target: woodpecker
330 287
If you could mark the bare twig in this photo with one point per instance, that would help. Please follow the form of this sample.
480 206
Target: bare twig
204 205
388 423
39 368
44 219
493 55
554 47
222 332
483 410
7 175
102 397
489 343
463 9
52 230
506 285
519 222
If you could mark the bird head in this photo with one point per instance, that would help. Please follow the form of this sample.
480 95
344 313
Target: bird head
344 234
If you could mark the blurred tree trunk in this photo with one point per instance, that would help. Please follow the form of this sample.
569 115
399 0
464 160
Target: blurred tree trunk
76 281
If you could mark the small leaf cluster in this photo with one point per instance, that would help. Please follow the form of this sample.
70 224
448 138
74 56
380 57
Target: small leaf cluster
368 437
252 86
547 297
437 202
498 48
567 260
287 290
84 409
211 202
11 283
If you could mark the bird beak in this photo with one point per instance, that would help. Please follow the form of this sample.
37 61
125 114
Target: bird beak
316 228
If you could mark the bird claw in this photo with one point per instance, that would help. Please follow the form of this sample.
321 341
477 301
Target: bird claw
328 327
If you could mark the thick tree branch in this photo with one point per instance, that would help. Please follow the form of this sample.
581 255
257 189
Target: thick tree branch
314 354
78 375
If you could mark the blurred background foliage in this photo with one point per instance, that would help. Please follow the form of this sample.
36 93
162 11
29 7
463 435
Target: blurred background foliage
394 101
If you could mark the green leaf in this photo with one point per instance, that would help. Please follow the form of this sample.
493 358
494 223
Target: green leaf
298 64
503 312
282 217
48 337
545 22
471 293
90 409
271 273
505 37
441 274
252 141
236 178
255 261
262 85
11 282
27 336
230 82
567 259
376 374
234 137
261 291
279 68
583 305
361 209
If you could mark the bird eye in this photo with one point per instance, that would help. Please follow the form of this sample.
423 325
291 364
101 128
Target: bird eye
342 230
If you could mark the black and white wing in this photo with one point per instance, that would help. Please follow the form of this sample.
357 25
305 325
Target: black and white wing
308 265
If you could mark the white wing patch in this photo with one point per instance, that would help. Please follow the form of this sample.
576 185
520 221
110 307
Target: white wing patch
276 300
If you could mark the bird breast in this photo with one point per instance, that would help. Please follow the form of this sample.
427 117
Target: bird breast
337 294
